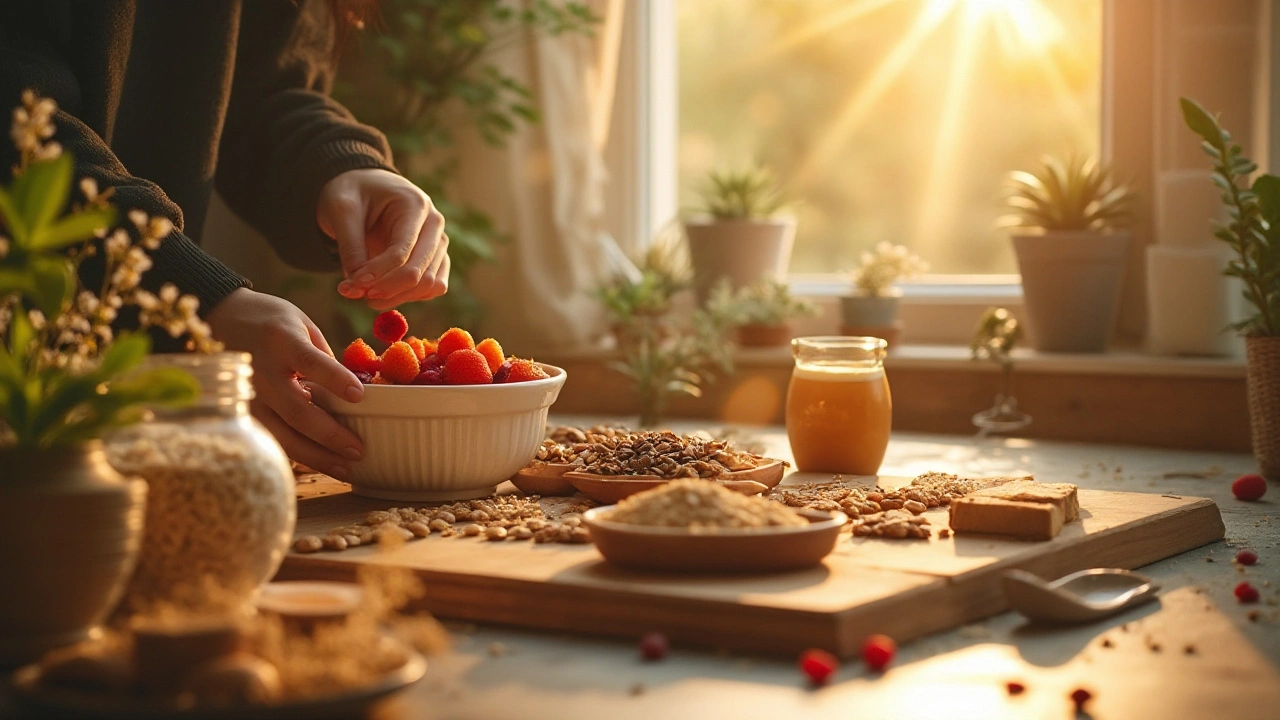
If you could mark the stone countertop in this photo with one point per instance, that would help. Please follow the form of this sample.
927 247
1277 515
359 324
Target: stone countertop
1195 654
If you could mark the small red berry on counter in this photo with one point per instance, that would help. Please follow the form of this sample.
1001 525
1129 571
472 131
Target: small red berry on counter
390 326
878 652
1246 593
654 646
1015 688
1080 696
1247 557
1249 487
818 666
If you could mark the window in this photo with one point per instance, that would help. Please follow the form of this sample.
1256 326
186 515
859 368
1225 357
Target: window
888 119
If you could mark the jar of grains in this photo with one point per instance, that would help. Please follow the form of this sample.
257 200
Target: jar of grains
220 506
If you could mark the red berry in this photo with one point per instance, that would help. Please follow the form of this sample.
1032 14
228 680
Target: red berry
390 326
1246 593
1249 487
452 340
399 363
1080 696
654 646
492 352
500 375
524 371
818 666
419 348
359 357
1015 688
878 652
364 377
432 362
467 367
429 377
1247 557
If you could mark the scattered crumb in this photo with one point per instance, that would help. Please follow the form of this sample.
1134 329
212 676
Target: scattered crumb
1189 650
637 690
1208 559
974 632
1106 643
1254 615
944 533
497 649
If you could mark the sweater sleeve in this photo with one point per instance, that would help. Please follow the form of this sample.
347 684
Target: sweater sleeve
284 138
30 59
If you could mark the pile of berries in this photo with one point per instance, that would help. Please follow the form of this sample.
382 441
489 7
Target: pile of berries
452 359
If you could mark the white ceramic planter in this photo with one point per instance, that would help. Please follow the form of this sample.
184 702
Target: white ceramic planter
444 442
741 250
1071 284
869 310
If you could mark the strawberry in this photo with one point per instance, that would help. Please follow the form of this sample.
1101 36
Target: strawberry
1247 557
818 666
452 340
400 363
359 357
1246 593
878 652
492 352
1249 487
524 371
419 347
390 326
467 367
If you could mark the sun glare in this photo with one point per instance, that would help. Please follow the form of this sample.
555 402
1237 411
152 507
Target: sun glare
1023 27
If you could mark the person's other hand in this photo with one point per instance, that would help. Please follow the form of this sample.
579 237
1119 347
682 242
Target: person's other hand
390 238
285 345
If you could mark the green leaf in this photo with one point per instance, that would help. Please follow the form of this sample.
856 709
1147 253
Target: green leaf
125 353
21 333
73 228
42 191
12 217
1267 188
1201 122
55 283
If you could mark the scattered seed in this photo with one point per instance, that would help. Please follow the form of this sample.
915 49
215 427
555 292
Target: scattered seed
308 544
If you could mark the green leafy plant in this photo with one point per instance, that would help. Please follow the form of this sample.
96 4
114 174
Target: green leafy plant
65 375
663 359
1253 231
1075 194
749 194
766 302
425 68
888 264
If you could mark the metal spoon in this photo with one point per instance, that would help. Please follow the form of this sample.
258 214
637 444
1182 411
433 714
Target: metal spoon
1080 597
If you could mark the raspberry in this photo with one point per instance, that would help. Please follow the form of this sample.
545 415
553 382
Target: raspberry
1080 696
654 646
492 352
1249 487
452 340
364 377
432 361
399 363
1014 687
1246 593
390 326
878 652
1247 557
818 666
500 375
359 357
419 348
525 370
467 367
429 377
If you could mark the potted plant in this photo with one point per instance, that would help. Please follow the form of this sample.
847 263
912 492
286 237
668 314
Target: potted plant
872 310
72 525
1253 233
737 233
761 312
1071 251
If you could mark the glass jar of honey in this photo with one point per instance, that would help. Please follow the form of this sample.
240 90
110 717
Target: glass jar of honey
838 406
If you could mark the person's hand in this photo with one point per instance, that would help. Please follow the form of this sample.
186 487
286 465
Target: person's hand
390 238
286 344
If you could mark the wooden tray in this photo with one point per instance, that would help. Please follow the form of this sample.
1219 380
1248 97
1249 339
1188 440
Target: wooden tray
865 586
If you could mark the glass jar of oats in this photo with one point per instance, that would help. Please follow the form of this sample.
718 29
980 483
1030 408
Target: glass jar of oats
220 505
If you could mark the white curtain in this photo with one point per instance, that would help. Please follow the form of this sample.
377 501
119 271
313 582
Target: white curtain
545 189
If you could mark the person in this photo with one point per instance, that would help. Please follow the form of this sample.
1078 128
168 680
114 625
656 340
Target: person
166 101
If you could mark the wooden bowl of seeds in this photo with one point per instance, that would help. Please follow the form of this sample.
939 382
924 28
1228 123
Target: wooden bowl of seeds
544 478
613 488
700 527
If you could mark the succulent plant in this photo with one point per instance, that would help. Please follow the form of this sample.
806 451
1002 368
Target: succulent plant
748 194
1078 193
766 302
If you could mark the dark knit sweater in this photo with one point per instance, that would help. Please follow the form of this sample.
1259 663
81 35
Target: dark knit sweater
165 100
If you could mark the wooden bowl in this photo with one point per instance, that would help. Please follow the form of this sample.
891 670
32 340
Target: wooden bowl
756 550
612 488
543 478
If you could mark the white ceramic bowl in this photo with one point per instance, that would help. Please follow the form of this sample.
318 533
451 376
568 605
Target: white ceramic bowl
444 442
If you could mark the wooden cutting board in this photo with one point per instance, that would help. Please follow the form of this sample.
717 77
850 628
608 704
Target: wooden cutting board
902 588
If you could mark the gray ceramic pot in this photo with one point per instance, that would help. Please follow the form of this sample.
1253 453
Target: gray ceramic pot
864 311
1071 284
71 527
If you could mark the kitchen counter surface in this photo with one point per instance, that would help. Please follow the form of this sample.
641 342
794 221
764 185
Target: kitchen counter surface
1196 654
